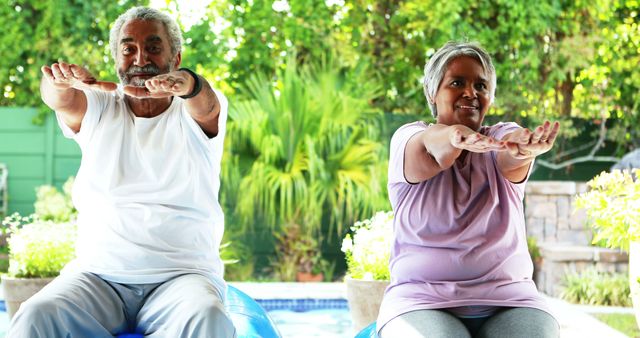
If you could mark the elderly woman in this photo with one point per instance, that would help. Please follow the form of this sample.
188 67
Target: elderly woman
459 263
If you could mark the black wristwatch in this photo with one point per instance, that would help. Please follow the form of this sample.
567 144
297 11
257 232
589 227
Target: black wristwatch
197 87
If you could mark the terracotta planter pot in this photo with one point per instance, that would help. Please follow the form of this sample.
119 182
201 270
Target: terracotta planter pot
18 290
634 273
309 277
364 298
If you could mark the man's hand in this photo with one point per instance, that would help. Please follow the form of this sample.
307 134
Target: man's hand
62 76
525 144
176 83
465 138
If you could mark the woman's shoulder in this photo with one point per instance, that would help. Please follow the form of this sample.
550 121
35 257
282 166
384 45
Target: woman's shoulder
415 124
411 128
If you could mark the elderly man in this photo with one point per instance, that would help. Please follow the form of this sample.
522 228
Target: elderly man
150 223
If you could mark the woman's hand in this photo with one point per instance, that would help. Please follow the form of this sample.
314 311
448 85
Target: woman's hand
525 144
465 138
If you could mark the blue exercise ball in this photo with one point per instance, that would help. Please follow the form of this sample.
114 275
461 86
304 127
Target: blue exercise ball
368 332
249 318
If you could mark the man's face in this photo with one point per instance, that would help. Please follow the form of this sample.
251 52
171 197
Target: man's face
464 95
143 52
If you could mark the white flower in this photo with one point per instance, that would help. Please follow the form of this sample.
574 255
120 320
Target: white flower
281 6
369 248
347 244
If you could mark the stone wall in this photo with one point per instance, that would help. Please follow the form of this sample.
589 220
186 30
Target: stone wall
550 214
561 259
563 235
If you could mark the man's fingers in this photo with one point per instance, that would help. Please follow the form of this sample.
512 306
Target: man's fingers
136 91
46 71
64 69
57 74
144 92
103 85
81 73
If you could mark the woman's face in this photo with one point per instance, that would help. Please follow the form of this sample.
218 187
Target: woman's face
464 95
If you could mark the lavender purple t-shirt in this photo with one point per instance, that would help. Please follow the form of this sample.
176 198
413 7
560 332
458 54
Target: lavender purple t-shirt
459 237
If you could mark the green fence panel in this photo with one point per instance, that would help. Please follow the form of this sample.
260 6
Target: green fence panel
34 155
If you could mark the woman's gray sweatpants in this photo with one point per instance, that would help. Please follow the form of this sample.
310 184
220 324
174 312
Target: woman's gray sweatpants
508 323
83 305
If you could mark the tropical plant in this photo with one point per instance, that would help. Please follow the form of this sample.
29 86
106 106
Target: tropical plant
368 247
613 207
306 146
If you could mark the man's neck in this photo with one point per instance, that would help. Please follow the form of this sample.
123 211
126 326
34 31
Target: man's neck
150 107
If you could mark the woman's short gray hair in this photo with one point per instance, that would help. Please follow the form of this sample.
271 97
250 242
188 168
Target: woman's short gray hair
145 13
435 69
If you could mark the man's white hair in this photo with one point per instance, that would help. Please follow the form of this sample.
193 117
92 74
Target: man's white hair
145 13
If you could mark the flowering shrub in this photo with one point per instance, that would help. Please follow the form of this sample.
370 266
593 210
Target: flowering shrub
54 205
368 251
40 248
613 208
40 245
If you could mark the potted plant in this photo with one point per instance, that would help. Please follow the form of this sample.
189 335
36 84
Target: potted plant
38 250
613 209
298 256
39 245
367 252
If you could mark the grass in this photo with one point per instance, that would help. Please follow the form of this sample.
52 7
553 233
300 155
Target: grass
623 322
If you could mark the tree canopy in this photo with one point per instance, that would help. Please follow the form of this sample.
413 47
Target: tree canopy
555 59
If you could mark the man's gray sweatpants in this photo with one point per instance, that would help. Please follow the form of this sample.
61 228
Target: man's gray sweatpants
83 305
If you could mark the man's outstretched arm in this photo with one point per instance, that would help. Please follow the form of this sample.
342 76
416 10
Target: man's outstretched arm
60 89
201 101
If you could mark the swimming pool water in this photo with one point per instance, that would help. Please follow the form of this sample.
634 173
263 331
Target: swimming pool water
328 323
302 318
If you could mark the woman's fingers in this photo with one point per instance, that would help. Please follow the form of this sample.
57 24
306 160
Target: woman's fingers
553 133
477 142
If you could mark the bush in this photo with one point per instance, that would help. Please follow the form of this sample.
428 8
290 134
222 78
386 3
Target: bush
40 248
592 287
613 208
368 251
40 245
55 205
